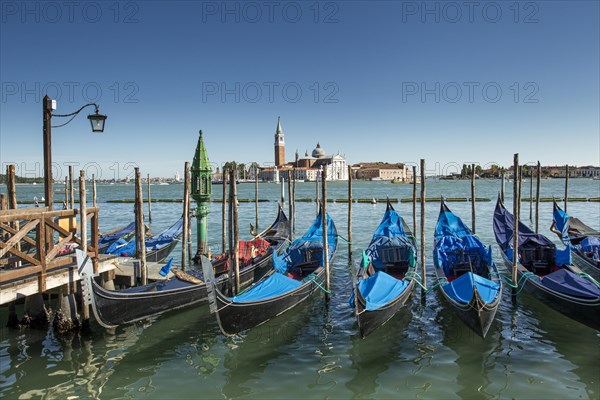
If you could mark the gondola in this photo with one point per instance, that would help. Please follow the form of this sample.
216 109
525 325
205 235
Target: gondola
466 275
583 241
115 307
106 239
158 247
385 280
298 272
546 272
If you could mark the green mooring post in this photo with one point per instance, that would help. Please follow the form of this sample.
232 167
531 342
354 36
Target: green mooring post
201 191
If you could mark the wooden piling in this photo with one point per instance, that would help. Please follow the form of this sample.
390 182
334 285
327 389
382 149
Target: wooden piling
290 205
256 198
236 236
520 176
85 311
11 189
186 215
422 232
515 259
414 201
67 201
94 203
3 202
530 169
317 194
140 234
473 201
282 184
224 210
349 212
293 200
502 183
230 232
325 238
566 186
149 201
537 196
71 188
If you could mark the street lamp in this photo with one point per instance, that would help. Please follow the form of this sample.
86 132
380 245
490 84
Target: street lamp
97 121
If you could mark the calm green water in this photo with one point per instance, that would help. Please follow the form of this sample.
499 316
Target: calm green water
314 351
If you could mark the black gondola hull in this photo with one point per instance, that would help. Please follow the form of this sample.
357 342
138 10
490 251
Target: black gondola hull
477 314
369 321
584 310
236 317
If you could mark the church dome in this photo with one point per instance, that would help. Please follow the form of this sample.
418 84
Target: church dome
318 152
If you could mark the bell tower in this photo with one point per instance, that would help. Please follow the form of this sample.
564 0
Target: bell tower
279 145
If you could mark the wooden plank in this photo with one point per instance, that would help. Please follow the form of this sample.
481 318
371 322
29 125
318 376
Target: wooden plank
22 213
19 254
17 237
11 274
13 231
51 224
58 247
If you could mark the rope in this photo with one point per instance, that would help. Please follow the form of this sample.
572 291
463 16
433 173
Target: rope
313 278
344 239
589 278
411 276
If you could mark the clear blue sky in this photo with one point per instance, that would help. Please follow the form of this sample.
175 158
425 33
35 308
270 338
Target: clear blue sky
380 81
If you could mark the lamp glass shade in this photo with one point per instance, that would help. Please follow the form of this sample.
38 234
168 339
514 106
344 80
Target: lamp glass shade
97 121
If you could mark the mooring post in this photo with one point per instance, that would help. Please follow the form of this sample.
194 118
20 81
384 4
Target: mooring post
230 231
317 193
224 210
290 205
186 214
520 176
530 194
414 201
566 186
3 202
350 212
11 188
537 196
282 183
502 182
256 197
293 200
94 202
515 260
85 311
140 233
473 200
149 199
71 188
236 236
423 247
325 228
67 199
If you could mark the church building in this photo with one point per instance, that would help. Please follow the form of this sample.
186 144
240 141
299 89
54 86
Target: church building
307 168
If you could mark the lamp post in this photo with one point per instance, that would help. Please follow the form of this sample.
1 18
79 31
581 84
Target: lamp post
201 192
97 121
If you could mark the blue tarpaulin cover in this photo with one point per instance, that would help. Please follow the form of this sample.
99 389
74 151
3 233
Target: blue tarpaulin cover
379 289
273 286
503 230
312 240
389 234
461 289
453 238
154 243
567 282
590 244
111 237
278 283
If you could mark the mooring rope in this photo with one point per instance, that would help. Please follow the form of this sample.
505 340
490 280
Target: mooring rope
589 278
313 278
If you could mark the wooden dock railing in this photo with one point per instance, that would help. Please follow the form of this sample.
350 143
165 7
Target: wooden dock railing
44 233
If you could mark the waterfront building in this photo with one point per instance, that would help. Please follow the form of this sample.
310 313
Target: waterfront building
307 168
